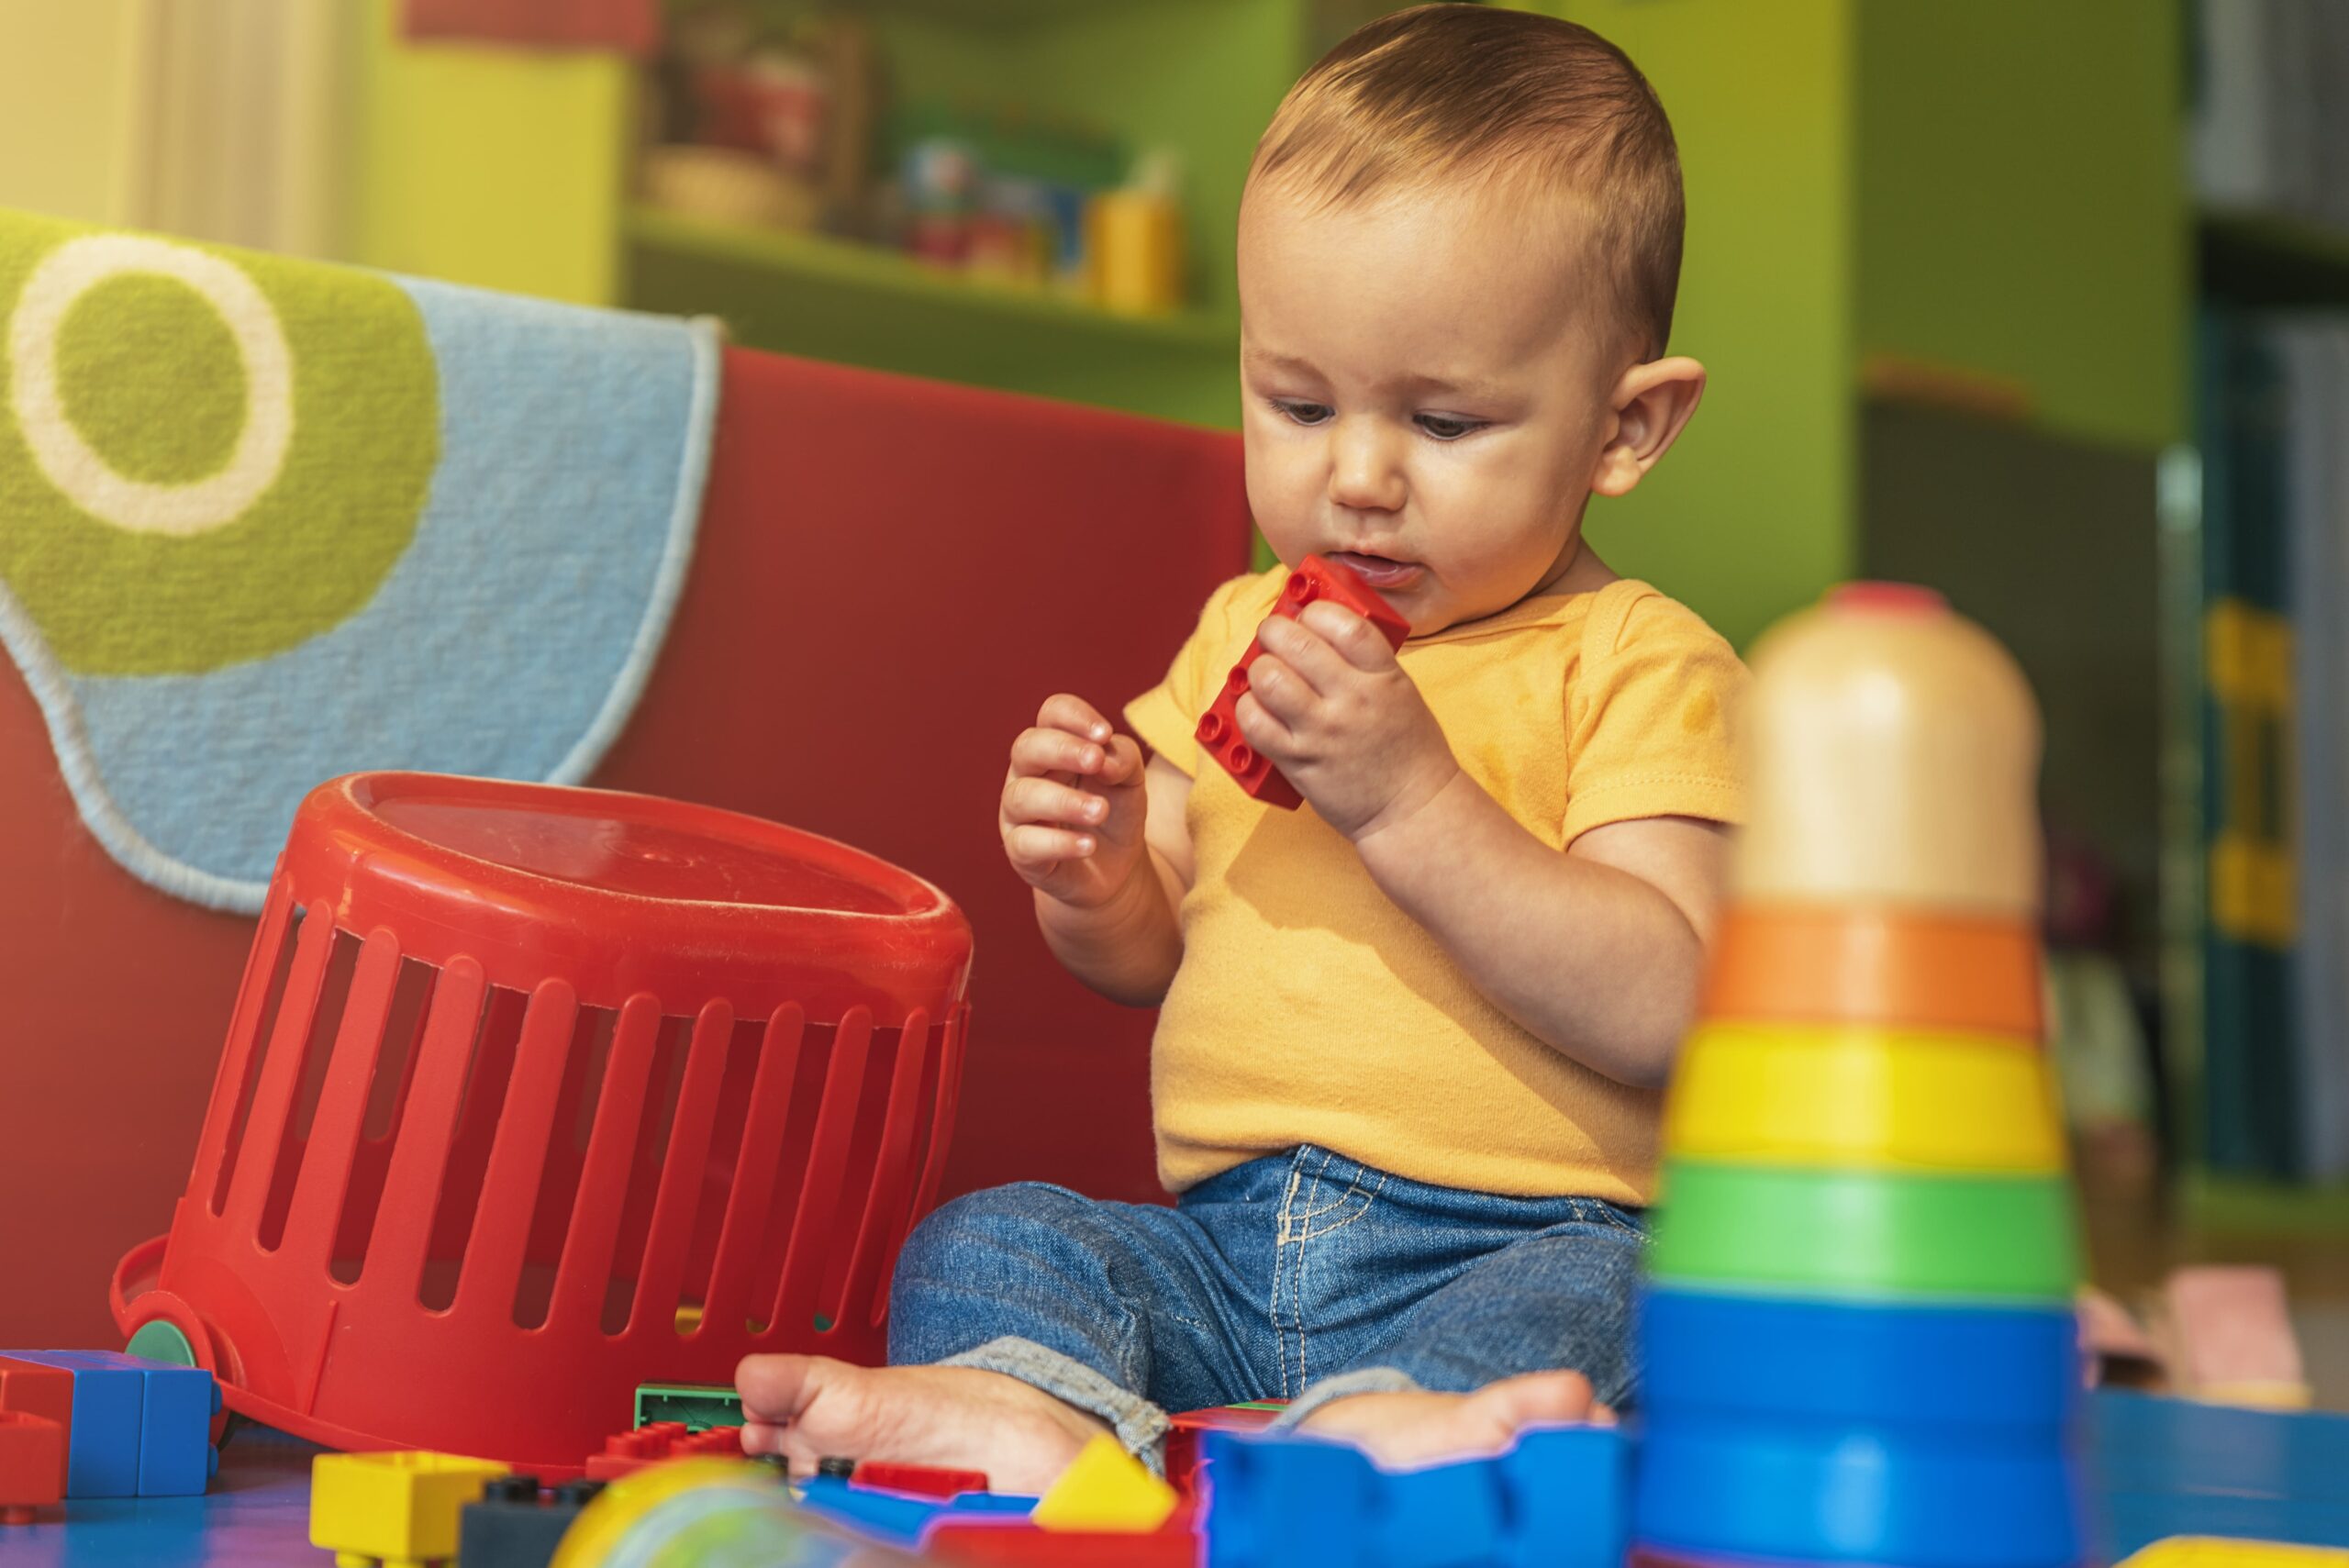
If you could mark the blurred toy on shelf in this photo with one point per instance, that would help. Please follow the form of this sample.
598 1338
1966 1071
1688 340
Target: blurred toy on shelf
1134 239
726 185
763 124
772 117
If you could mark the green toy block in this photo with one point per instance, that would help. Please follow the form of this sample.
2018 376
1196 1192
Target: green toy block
699 1405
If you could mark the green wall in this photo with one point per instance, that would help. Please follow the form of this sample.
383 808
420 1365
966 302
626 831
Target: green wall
2022 204
66 71
498 167
1752 513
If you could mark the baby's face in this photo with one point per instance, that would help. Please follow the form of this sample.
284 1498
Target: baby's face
1427 395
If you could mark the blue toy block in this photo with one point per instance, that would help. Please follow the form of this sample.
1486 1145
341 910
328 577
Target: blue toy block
1872 1363
1569 1491
107 1402
1447 1516
154 1438
2143 1444
1559 1498
1001 1505
890 1518
1254 1485
1822 1493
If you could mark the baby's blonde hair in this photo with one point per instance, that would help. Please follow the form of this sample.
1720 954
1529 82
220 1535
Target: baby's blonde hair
1471 92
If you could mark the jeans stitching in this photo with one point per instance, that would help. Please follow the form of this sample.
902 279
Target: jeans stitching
1304 1234
1593 1212
1297 1279
1280 1239
1369 1197
1353 1186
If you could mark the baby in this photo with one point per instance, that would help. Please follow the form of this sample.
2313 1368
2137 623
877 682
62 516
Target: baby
1406 1068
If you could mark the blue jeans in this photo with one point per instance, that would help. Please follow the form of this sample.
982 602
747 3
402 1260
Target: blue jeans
1303 1276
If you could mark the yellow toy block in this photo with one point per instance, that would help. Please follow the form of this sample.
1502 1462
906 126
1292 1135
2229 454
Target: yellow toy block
2214 1551
1847 1098
1105 1489
398 1510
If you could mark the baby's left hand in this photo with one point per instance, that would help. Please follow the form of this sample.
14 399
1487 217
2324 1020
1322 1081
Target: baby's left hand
1330 705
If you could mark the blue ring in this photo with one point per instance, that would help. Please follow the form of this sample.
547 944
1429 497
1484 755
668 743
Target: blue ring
1716 1352
1855 1494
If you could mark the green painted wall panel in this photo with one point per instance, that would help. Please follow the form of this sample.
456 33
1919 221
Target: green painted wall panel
2021 200
66 74
1752 513
503 168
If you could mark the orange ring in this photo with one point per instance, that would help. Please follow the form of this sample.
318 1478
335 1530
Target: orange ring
1810 963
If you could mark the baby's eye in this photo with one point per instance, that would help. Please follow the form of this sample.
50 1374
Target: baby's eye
1445 428
1302 413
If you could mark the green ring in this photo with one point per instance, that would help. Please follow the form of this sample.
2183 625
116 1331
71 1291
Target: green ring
1840 1233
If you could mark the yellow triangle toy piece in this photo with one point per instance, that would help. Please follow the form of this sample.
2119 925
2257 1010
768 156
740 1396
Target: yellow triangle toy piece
2213 1551
1106 1489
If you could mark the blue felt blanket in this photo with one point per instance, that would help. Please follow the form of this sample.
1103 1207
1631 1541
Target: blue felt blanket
263 522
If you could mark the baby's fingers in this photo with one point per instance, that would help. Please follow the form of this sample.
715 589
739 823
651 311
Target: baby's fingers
1075 715
1046 800
1031 846
1041 750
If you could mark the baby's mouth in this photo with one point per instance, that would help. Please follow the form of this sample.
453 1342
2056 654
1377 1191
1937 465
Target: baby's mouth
1382 573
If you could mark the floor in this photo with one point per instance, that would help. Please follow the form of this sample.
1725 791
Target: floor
256 1515
2159 1468
2136 1236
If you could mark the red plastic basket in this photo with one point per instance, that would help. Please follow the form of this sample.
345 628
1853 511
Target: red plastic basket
534 1095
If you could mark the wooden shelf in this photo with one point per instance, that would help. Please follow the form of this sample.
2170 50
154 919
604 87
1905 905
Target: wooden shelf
2257 258
988 14
884 273
835 299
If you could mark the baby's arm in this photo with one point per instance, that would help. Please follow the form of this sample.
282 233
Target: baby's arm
1102 839
1597 951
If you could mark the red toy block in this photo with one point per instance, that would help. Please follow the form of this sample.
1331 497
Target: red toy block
626 1453
32 1460
1219 728
1018 1542
920 1480
1183 1437
46 1391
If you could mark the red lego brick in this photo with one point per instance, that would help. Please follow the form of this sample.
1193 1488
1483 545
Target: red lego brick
1316 579
920 1480
32 1460
1183 1439
626 1453
1219 728
1015 1541
47 1390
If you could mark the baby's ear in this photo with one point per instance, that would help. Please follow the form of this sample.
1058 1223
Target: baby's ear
1652 403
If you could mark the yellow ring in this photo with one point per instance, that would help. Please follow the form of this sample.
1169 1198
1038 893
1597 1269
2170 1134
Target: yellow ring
1868 1099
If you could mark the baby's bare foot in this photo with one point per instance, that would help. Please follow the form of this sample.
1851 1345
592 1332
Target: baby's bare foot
1400 1430
809 1409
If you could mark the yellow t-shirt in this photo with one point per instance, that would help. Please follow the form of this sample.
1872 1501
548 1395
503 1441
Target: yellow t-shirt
1308 1008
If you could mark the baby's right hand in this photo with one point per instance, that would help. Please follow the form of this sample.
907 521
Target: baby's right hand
1072 805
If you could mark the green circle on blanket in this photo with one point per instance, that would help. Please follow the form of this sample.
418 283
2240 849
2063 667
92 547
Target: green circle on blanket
205 457
151 377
